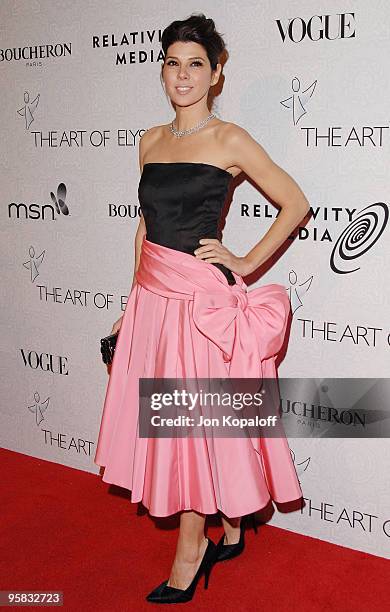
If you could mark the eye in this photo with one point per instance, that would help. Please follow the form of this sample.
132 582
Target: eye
197 62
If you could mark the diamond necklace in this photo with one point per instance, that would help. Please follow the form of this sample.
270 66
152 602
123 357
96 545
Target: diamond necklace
180 133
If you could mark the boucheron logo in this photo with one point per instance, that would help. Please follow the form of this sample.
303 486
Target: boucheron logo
298 100
39 408
28 110
359 237
33 263
31 55
297 290
38 211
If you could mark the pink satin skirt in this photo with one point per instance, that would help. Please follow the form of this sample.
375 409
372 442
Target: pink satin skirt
183 320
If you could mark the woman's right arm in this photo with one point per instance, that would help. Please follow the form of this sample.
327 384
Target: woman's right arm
141 229
140 233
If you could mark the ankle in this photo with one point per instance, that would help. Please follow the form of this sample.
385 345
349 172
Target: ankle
232 534
190 552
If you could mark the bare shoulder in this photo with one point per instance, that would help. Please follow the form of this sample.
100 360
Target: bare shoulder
243 148
232 133
150 135
153 131
147 141
238 145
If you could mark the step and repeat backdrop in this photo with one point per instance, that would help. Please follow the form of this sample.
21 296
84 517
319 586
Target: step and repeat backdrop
80 83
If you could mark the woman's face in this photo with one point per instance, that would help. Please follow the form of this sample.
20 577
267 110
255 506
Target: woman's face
187 73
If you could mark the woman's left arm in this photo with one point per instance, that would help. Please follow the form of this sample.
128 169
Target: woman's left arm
246 153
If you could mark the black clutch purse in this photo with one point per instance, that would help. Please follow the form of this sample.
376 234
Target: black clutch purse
107 347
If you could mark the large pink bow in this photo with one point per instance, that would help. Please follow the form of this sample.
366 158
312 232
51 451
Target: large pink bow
248 326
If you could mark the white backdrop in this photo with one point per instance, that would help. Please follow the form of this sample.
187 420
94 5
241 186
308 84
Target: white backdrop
313 90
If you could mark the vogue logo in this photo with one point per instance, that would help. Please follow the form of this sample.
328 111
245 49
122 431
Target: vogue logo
56 364
318 27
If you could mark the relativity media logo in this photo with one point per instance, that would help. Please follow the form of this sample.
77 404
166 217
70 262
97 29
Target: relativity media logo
41 212
359 237
361 230
131 48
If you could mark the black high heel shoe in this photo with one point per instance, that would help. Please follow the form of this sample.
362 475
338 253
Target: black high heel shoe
167 594
229 551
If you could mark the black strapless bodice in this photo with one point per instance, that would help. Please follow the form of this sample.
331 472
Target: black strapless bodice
182 202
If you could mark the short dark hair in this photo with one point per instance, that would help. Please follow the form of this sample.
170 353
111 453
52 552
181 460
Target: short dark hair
196 28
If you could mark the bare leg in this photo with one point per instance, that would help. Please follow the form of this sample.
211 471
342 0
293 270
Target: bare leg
232 529
190 548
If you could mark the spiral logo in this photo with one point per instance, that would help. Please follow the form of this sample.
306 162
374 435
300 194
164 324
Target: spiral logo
359 237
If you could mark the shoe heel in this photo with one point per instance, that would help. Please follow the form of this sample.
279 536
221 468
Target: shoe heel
166 594
254 525
207 575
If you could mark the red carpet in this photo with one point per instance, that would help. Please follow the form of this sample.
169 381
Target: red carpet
64 529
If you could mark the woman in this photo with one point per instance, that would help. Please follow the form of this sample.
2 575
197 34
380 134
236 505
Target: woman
186 170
